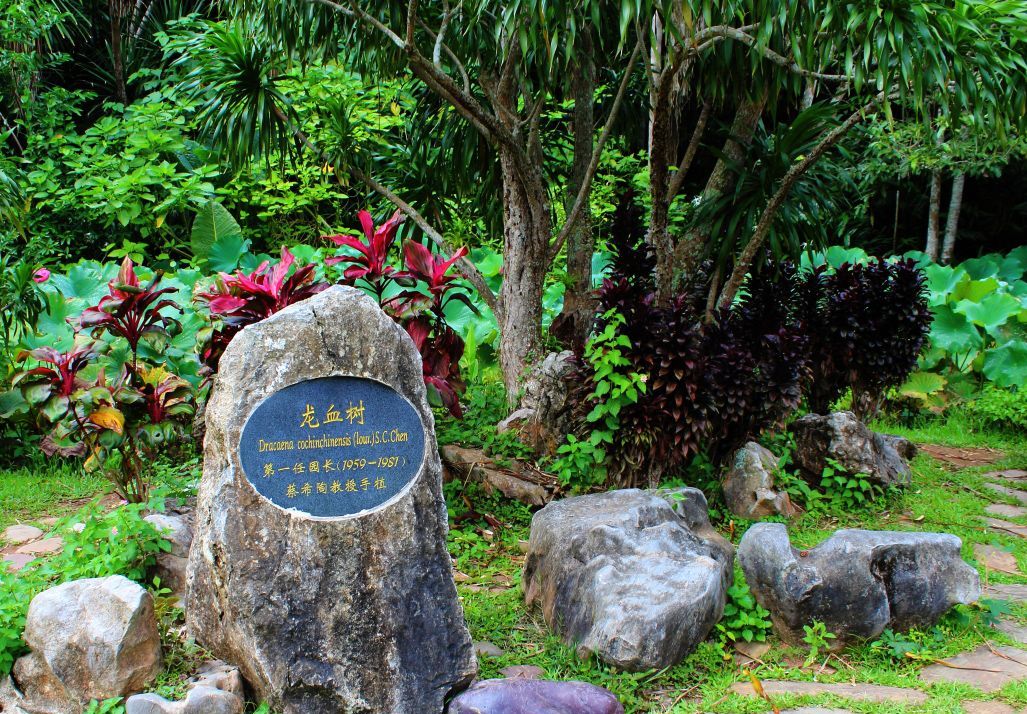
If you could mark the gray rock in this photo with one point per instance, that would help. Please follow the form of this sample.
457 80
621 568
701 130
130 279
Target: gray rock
544 416
749 485
690 505
352 614
19 534
150 703
845 439
220 675
171 567
856 582
89 639
487 649
620 574
217 688
10 698
208 700
534 696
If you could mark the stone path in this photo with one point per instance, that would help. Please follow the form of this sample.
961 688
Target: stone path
1001 526
1001 591
962 457
996 559
1004 510
1010 474
24 544
860 692
987 669
1016 493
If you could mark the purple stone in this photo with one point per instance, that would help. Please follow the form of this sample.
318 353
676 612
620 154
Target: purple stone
535 696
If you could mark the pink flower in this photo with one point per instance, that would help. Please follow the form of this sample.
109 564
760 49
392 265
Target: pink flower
41 275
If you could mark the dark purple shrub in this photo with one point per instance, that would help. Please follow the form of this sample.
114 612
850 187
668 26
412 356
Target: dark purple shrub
867 325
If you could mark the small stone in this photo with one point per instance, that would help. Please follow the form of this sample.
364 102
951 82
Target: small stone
220 675
1001 526
16 535
981 668
749 485
150 703
523 671
208 700
622 575
1013 629
534 696
17 561
172 567
1009 474
996 559
95 638
857 582
42 547
1004 510
487 649
1016 493
859 692
1002 591
49 521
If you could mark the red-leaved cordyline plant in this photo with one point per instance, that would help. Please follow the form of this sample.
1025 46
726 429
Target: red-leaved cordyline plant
49 389
370 264
419 308
240 300
131 310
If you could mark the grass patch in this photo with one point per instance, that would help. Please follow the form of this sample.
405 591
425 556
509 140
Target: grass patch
45 488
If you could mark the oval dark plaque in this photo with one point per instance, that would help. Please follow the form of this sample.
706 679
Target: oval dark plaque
332 446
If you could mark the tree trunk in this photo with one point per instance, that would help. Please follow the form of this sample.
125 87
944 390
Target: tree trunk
684 257
575 320
934 216
526 233
952 223
119 63
662 153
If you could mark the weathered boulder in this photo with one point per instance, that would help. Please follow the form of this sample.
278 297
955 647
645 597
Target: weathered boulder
620 574
857 582
89 639
842 437
171 567
357 613
543 418
749 485
535 696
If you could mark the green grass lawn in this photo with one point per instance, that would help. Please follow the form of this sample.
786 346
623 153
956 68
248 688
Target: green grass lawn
45 488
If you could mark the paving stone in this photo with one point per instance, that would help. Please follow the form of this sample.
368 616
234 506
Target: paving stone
1014 629
17 561
1016 493
981 668
1009 474
747 652
1004 510
487 649
860 692
996 559
991 707
42 547
16 535
1001 526
1003 591
49 521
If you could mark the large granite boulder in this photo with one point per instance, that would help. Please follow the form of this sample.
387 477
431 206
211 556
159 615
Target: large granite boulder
352 614
621 575
858 583
543 418
89 639
749 485
844 438
534 696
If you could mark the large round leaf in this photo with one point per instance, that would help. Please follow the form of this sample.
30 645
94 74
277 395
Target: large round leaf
990 312
942 282
1006 365
953 332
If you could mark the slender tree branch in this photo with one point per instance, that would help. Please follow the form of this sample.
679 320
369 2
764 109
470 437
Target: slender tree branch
693 146
411 24
436 55
465 78
745 260
467 267
593 164
703 40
